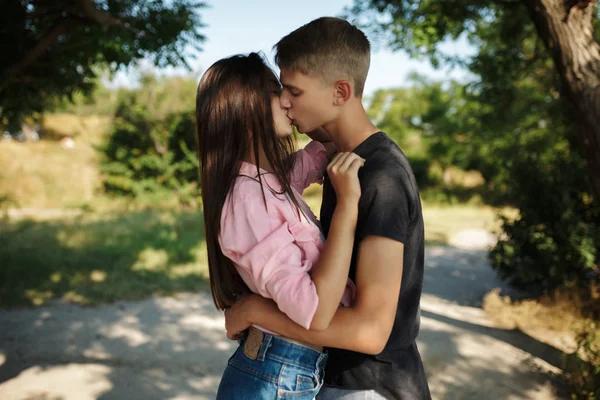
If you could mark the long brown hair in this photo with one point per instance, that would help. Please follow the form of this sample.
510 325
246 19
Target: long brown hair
233 119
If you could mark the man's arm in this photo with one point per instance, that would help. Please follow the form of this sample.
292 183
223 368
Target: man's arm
364 327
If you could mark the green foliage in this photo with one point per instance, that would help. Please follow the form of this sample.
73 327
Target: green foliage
152 147
392 112
556 239
433 123
54 49
510 123
100 101
583 366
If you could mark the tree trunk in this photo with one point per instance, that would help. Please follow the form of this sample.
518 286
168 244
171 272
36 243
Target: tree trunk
566 28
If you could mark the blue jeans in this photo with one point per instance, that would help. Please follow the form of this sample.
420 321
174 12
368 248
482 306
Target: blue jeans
281 370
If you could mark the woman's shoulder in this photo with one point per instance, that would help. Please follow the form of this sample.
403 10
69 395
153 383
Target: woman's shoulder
246 188
254 202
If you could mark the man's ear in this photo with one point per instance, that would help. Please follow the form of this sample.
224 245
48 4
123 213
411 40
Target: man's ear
343 92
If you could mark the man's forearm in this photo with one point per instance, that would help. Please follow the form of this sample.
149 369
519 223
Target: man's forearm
349 329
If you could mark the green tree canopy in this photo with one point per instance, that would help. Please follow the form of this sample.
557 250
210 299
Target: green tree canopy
515 41
53 48
529 120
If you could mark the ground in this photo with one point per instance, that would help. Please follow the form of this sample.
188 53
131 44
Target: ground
175 347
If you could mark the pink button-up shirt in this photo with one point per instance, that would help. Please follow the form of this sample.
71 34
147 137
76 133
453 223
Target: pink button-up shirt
273 248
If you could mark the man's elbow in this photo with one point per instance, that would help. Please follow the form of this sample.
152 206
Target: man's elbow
374 340
319 324
374 346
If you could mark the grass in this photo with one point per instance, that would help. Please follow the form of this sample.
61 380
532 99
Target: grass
43 174
567 319
97 258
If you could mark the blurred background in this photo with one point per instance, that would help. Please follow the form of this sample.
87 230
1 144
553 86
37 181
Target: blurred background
494 103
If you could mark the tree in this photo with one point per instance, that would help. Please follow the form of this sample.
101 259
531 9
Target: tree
430 121
53 48
151 148
521 124
568 29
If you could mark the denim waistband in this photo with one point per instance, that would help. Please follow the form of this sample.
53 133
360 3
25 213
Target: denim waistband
282 350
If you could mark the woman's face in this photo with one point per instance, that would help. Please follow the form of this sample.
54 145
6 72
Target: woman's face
283 125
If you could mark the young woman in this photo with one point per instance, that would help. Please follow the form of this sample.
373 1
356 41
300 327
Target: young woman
260 235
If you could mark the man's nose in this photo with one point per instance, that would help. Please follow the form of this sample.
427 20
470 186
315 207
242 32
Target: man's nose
284 101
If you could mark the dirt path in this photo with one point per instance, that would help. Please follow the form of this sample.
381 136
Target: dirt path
175 348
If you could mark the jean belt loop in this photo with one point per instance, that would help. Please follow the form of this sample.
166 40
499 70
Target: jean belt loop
264 346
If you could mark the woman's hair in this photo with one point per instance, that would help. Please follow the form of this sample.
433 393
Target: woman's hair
233 120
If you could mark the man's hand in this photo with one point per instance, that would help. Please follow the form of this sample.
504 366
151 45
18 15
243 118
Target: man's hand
236 320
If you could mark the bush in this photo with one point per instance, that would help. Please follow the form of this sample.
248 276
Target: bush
583 366
143 155
556 239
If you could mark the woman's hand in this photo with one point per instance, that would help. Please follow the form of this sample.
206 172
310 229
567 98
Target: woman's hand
343 174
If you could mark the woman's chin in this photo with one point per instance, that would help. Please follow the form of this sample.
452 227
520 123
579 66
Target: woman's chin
283 135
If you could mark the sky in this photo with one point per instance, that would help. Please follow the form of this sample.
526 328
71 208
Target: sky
241 26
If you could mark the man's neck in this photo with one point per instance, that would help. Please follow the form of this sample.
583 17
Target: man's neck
350 129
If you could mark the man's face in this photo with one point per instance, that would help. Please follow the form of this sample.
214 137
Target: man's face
308 100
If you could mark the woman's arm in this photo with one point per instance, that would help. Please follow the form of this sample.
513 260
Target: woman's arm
273 265
330 273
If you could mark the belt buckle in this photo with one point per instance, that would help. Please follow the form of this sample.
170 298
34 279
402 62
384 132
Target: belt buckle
253 343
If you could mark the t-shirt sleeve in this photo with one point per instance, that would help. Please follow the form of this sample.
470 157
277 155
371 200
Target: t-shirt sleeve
388 201
309 166
262 246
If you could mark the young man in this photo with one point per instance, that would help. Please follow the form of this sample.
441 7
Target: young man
371 344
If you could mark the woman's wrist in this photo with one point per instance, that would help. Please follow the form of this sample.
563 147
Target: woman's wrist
347 206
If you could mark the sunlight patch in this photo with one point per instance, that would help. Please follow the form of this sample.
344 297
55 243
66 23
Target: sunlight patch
151 260
56 277
98 276
189 269
73 297
38 297
81 381
133 336
222 345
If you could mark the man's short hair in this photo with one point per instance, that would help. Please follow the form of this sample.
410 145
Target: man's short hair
328 47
